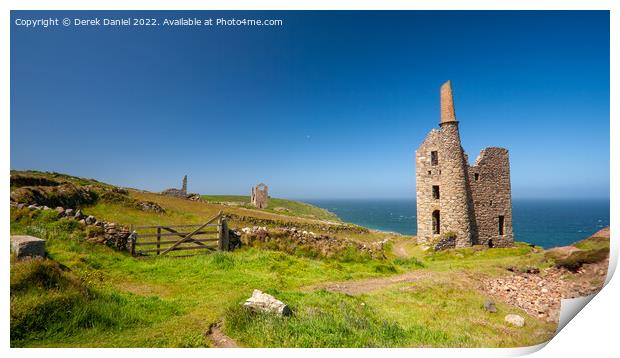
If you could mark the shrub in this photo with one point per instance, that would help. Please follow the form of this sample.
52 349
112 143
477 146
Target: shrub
575 260
410 262
222 260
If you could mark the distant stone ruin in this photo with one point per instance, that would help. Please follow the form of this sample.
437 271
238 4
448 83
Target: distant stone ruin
260 196
179 193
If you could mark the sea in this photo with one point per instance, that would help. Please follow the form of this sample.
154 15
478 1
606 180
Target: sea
543 222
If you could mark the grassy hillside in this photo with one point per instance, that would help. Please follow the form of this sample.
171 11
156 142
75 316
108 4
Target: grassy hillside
278 206
122 301
89 295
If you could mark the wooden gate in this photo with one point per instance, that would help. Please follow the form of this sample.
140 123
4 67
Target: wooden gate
164 239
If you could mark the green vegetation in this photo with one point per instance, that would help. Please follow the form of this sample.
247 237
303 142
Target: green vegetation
278 206
89 295
590 250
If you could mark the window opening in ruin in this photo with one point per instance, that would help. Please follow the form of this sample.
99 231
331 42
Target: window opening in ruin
434 158
429 172
501 224
436 222
476 176
491 203
435 191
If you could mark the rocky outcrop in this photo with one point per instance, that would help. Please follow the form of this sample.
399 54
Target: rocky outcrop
65 195
263 302
20 180
150 206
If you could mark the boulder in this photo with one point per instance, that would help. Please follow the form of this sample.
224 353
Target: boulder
515 320
24 246
69 212
90 220
489 306
60 210
263 302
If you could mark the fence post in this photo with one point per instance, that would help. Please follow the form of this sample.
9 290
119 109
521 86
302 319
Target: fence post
225 238
158 238
220 234
132 237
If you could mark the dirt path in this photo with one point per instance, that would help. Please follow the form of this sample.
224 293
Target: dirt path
399 249
219 339
369 285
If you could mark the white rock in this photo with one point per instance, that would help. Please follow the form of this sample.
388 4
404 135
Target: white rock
260 301
515 320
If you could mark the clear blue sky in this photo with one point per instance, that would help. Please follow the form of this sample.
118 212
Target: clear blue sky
330 105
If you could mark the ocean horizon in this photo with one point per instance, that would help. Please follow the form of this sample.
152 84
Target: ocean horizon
543 222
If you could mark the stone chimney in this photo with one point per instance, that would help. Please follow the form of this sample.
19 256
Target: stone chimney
447 103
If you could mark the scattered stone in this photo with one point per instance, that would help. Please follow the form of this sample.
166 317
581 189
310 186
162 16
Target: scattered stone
78 214
489 306
24 246
515 320
263 302
60 210
324 245
32 207
150 206
21 205
540 294
69 212
281 209
90 220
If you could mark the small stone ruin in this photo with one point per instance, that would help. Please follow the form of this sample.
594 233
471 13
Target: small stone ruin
179 193
260 196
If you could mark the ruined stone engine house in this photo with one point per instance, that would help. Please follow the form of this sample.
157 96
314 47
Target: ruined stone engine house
458 204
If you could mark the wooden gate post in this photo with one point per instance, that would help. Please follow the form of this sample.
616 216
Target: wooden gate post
222 234
225 238
158 239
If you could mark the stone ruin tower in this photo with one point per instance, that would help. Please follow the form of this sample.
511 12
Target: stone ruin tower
459 205
260 196
181 193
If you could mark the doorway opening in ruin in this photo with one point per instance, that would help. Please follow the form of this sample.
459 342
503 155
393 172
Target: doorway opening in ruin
490 242
501 225
434 158
436 222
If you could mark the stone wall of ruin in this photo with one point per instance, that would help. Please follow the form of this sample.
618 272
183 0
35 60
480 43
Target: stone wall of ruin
450 174
489 180
260 196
